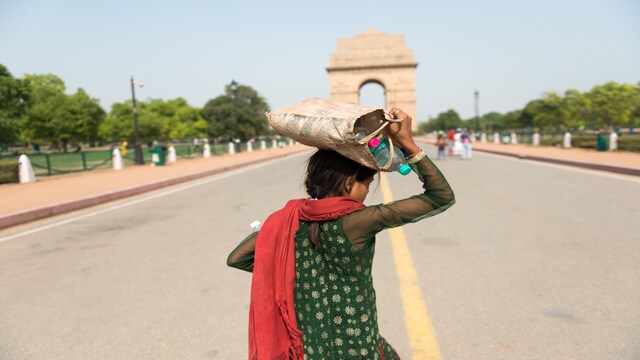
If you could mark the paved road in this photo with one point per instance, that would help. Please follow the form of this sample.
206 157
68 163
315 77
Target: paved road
533 262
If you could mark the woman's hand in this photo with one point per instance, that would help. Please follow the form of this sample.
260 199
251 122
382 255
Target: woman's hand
400 132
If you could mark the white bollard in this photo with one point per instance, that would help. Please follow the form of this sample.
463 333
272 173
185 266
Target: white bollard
249 146
206 150
263 145
496 138
116 158
274 144
566 142
171 156
613 141
536 139
232 148
514 138
483 138
25 171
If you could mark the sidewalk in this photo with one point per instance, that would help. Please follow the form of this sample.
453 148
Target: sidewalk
627 163
56 195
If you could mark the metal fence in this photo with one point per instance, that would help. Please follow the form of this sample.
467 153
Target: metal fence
48 164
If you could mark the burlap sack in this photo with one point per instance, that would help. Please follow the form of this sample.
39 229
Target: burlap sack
328 124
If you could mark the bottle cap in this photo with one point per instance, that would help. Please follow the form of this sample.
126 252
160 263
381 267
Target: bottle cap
404 169
373 143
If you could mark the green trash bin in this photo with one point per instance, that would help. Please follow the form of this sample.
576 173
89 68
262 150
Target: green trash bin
602 143
157 155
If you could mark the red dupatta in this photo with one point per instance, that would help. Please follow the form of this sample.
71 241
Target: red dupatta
273 330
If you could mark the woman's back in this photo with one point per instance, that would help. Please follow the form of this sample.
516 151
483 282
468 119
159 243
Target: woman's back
335 300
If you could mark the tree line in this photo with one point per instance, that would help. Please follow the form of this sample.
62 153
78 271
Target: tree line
602 108
37 109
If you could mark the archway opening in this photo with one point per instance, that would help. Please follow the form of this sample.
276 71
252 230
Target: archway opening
372 93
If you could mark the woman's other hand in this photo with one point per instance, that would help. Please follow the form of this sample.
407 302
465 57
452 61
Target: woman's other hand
400 132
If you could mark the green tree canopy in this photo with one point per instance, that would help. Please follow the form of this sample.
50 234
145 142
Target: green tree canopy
47 119
86 114
613 104
14 100
157 120
250 108
493 121
56 117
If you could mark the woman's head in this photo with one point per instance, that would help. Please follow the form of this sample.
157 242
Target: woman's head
330 174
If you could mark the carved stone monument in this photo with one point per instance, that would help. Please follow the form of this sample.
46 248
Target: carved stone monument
374 57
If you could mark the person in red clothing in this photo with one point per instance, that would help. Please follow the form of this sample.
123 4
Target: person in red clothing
451 136
312 294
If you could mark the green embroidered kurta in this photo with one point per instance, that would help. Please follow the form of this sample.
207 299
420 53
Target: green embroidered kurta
335 300
334 296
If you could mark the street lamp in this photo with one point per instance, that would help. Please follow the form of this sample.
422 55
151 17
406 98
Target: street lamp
234 90
477 95
138 147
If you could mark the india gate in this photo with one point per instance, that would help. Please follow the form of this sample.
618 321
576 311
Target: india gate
374 57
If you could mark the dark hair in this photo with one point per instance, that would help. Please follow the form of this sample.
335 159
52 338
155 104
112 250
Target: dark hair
328 171
327 175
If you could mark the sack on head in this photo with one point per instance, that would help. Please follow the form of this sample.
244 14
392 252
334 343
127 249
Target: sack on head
328 124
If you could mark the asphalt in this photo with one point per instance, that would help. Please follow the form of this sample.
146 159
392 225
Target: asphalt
23 203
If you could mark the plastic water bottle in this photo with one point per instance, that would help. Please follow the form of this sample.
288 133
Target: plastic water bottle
380 150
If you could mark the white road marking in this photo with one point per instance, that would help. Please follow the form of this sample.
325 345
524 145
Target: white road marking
156 195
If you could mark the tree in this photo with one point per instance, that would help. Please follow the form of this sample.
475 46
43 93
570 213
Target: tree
179 120
119 124
493 121
14 100
514 120
613 103
157 120
59 118
549 112
47 119
578 108
448 119
86 114
250 108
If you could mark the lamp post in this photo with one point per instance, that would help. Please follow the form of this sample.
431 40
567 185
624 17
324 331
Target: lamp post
477 95
234 90
137 147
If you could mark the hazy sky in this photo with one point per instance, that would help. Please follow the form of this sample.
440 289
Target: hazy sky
510 51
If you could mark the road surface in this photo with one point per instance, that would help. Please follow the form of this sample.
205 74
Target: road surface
533 262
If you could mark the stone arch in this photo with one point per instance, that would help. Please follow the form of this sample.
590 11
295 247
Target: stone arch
372 81
374 56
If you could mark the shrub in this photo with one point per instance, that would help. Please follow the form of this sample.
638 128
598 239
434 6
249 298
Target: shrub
8 172
629 143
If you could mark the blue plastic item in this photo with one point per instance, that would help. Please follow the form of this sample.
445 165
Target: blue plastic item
380 150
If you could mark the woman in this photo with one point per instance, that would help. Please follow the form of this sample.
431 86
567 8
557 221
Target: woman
312 293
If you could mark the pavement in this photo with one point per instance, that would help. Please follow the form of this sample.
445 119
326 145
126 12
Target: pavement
55 195
627 163
22 203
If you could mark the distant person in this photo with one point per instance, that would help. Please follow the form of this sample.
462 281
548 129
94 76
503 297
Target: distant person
466 146
36 148
441 143
312 293
123 147
451 134
457 142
